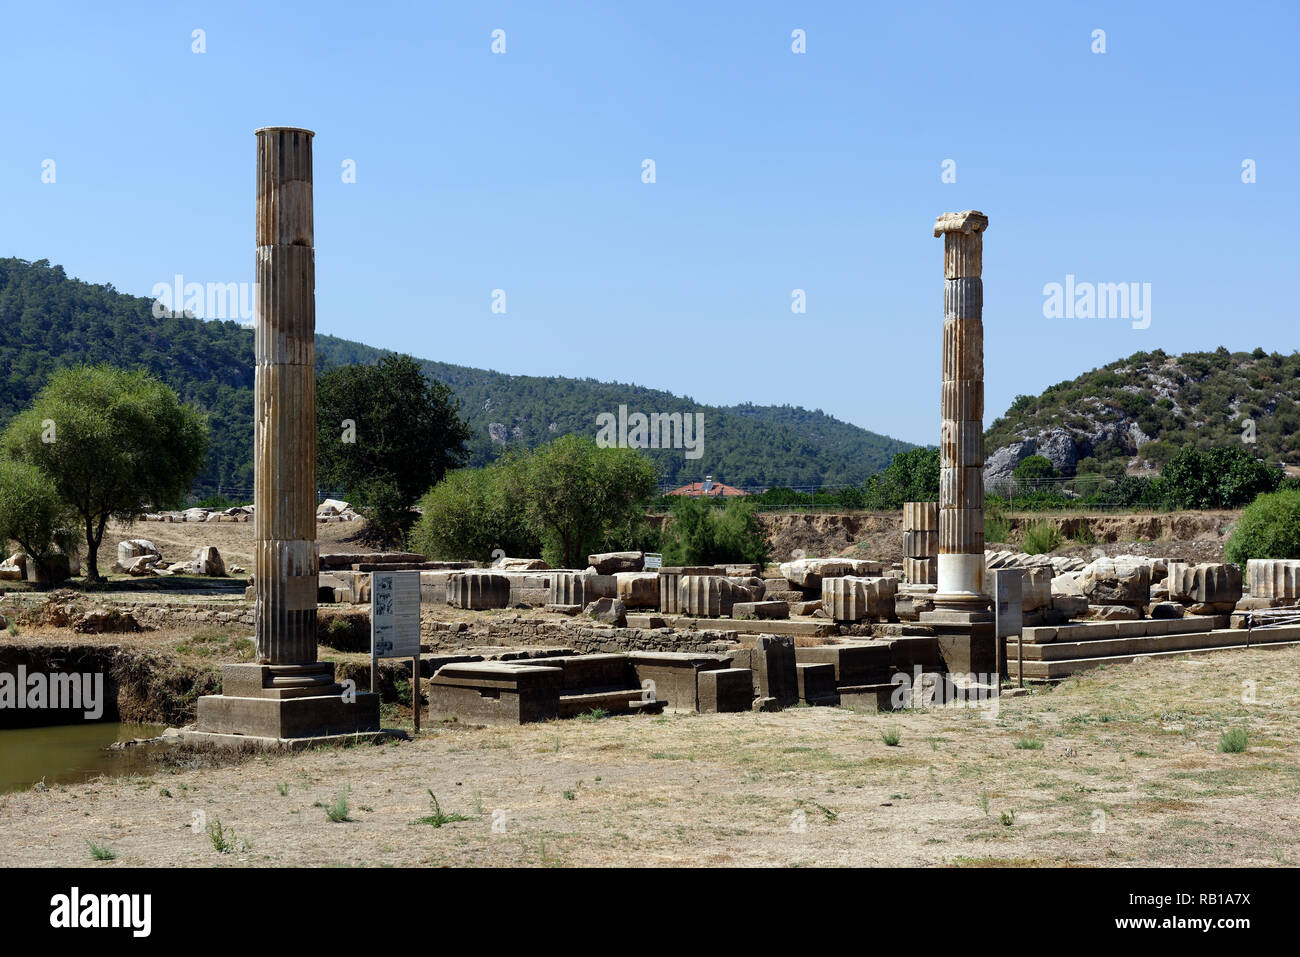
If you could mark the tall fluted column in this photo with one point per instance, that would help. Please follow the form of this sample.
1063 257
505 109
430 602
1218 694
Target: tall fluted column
961 479
284 447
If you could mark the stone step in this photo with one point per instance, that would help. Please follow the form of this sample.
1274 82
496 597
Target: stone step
1058 670
813 629
1060 651
1105 630
622 701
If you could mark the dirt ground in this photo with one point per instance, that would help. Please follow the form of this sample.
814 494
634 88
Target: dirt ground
234 540
1185 536
1115 767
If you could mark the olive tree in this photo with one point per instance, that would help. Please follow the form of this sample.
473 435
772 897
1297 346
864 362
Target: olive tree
112 442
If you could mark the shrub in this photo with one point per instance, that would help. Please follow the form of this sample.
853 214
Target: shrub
996 526
1233 741
1041 537
699 534
1218 477
1269 528
1033 469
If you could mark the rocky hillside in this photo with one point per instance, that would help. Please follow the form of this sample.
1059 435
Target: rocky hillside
1135 414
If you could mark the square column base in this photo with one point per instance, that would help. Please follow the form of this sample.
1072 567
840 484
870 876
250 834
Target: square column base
968 648
305 717
278 702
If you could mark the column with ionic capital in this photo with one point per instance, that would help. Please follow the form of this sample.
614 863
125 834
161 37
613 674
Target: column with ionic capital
961 586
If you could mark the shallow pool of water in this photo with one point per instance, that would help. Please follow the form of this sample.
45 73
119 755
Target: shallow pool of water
71 753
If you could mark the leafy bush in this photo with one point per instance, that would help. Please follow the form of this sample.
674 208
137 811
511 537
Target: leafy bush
700 535
1269 528
1039 538
1219 477
1034 468
996 526
473 512
913 476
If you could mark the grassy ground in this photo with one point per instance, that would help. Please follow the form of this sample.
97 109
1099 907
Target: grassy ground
1116 767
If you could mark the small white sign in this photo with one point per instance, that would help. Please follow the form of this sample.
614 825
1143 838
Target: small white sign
394 614
653 560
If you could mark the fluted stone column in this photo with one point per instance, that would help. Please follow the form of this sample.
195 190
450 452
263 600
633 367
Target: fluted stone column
961 574
284 447
286 695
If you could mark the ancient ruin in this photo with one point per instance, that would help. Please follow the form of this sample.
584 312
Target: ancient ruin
287 693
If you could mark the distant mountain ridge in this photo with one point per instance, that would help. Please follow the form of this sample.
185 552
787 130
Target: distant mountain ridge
49 320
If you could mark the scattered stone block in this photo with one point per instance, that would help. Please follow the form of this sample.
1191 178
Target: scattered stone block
1113 613
771 658
1035 589
1110 582
707 596
521 565
808 573
1208 583
638 589
674 677
478 590
858 599
1274 578
869 698
804 607
816 683
761 609
852 664
726 690
1164 610
609 611
495 692
610 563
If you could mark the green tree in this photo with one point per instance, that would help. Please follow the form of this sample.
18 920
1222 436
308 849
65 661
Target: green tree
113 443
1269 528
473 512
1218 477
574 493
912 476
701 534
33 515
385 435
1033 469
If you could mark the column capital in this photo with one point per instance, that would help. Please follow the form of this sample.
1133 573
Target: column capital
970 221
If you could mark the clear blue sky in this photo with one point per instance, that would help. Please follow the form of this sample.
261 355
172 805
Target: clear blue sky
775 171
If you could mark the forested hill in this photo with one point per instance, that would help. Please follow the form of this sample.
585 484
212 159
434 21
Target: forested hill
48 320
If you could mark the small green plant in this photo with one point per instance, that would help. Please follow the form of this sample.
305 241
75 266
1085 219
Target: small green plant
100 852
997 528
1029 744
337 812
1084 535
222 838
984 804
283 788
891 737
595 714
1041 537
569 795
1233 741
438 818
1008 818
13 629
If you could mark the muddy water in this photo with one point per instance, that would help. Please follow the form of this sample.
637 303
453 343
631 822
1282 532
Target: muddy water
67 754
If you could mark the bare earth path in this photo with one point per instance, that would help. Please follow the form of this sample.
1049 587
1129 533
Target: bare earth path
1129 772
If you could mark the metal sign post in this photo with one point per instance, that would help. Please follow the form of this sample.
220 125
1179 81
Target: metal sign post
395 627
